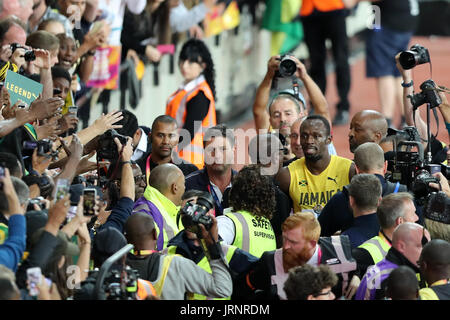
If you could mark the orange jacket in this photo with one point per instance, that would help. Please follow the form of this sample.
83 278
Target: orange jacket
308 6
176 108
145 289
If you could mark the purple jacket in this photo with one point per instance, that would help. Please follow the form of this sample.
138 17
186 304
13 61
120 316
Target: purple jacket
373 278
141 205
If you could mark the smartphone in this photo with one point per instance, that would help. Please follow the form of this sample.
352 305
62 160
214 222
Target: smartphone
62 188
89 196
34 278
73 109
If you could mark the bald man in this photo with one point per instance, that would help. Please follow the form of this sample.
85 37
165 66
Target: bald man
366 126
406 248
173 284
337 214
434 265
162 199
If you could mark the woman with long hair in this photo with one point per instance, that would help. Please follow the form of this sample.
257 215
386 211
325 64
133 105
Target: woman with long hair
193 104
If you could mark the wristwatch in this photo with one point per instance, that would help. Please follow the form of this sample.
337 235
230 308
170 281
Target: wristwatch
407 85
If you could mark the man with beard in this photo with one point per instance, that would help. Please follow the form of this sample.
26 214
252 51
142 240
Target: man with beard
216 176
366 126
164 138
301 245
312 180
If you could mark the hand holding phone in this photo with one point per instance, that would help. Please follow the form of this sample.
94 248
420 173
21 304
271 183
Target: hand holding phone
62 189
34 276
89 197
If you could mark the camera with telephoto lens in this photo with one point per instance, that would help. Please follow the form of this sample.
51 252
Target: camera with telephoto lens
107 148
421 185
437 207
416 55
117 280
287 68
193 214
29 54
429 94
44 147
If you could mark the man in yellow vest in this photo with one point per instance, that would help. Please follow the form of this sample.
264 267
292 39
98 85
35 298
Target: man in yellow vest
187 244
161 200
434 263
312 180
322 20
174 276
246 223
394 209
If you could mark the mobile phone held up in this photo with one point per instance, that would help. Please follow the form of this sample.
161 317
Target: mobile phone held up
62 189
34 279
89 196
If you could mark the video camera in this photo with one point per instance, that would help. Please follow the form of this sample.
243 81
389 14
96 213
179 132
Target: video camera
193 214
28 55
107 148
44 148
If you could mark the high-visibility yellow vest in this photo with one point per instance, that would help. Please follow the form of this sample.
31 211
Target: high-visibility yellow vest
439 290
377 248
253 234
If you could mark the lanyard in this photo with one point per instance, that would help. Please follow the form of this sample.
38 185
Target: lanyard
319 256
147 168
383 236
216 198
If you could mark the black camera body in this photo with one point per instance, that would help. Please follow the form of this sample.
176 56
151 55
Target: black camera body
34 201
287 68
429 94
437 207
193 214
107 148
416 55
29 54
44 147
421 185
115 282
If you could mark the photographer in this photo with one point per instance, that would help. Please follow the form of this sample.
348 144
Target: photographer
182 276
187 244
438 150
124 206
436 210
284 108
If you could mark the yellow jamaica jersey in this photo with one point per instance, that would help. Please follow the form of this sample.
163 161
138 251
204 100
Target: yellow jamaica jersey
312 192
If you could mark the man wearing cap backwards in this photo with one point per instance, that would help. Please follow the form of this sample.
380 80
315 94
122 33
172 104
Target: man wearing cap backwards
285 107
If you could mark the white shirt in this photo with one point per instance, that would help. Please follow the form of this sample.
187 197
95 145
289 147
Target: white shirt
181 19
226 227
141 148
192 84
314 259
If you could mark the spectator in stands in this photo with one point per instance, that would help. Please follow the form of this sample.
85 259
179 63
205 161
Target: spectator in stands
407 243
394 209
53 26
366 126
337 214
163 140
151 26
10 161
193 104
22 9
42 12
311 180
402 284
12 30
182 19
434 265
217 175
161 200
246 224
310 283
364 196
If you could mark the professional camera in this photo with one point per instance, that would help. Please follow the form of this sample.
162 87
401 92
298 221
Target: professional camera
107 148
421 185
34 201
437 207
44 147
29 54
287 68
193 214
414 56
119 280
428 94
